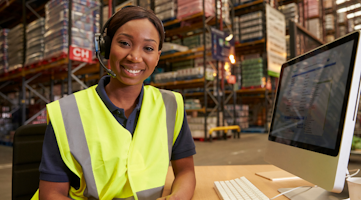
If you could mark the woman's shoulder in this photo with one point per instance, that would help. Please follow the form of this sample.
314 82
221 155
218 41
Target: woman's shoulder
71 97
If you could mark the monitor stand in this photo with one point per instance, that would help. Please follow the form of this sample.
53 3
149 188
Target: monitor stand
314 193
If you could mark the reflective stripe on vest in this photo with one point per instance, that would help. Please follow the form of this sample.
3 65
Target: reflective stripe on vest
75 132
170 104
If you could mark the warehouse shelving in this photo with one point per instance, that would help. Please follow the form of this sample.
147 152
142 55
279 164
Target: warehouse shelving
255 95
301 40
46 73
258 46
197 21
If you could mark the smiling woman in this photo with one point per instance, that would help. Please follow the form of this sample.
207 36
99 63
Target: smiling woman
134 53
115 140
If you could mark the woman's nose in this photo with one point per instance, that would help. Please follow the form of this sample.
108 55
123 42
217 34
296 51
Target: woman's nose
135 55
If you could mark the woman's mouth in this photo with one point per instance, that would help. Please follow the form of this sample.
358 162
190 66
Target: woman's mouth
131 72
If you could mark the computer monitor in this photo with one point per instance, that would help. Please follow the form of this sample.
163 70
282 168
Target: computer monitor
315 112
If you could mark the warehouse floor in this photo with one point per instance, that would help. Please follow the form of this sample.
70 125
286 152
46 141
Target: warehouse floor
245 151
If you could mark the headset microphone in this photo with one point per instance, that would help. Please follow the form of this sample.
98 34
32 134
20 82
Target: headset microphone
97 52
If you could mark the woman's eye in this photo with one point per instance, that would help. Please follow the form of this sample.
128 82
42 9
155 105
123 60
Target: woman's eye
149 49
124 43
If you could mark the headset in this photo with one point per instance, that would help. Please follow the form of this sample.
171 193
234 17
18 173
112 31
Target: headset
103 42
102 45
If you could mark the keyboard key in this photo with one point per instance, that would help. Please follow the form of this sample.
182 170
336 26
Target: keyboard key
228 191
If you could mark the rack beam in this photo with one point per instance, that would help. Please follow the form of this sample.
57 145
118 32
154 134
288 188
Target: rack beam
184 19
248 5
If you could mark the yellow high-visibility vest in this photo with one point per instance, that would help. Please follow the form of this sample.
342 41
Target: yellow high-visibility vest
110 163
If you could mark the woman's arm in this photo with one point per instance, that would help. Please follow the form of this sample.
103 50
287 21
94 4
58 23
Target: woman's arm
53 190
185 181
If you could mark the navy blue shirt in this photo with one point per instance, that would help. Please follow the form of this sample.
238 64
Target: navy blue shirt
52 167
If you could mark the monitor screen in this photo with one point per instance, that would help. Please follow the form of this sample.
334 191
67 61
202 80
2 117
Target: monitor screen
312 97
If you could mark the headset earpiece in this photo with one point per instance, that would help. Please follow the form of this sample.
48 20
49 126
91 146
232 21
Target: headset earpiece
106 46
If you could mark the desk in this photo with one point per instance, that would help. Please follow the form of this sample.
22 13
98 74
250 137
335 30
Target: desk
206 175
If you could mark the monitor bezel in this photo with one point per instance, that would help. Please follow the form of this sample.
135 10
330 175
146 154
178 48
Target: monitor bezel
332 152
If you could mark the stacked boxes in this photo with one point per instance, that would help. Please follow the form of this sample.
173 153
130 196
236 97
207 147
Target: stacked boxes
183 64
251 26
192 41
342 30
311 8
341 20
350 25
242 113
145 4
208 40
16 48
313 26
196 125
184 74
236 28
290 11
192 104
96 20
194 73
4 50
252 73
85 21
330 26
166 9
330 38
165 77
330 22
225 11
172 48
238 72
341 17
174 40
195 41
35 41
327 4
199 62
190 7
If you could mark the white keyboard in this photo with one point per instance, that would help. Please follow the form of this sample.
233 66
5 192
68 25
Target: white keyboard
240 188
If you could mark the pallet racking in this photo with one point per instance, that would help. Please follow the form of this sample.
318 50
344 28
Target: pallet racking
43 75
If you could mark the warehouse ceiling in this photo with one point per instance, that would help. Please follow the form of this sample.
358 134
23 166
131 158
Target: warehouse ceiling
11 11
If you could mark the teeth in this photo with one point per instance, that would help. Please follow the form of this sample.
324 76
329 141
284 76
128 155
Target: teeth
133 71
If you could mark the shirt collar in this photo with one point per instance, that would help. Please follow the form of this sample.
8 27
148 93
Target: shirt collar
104 96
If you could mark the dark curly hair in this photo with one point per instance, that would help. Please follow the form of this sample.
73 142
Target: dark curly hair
129 13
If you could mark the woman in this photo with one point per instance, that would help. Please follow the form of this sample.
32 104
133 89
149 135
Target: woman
114 140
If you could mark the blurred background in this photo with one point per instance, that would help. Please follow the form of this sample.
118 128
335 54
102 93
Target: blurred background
223 56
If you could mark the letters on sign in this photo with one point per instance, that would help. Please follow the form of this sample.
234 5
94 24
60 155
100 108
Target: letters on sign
80 54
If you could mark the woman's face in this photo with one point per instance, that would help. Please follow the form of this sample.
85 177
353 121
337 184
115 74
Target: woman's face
134 51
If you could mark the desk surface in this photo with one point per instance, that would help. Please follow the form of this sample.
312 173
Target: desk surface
206 175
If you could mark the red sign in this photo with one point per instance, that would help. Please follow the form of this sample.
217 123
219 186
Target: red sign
80 54
231 79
